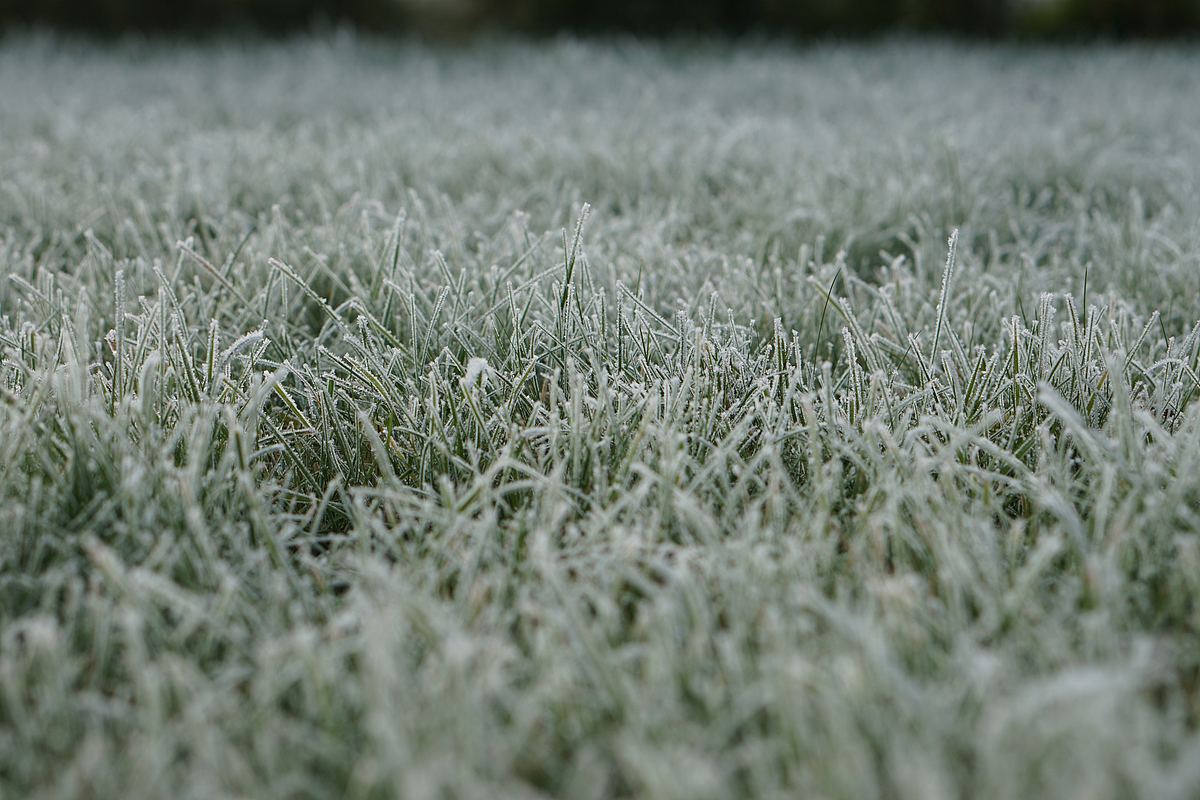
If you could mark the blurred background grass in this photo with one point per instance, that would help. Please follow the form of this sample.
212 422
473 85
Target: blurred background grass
798 18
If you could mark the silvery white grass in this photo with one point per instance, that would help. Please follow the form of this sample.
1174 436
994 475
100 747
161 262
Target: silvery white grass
847 448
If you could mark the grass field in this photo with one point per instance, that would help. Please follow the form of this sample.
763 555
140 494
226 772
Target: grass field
599 420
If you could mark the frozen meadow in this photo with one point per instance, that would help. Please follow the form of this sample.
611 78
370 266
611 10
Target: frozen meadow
599 420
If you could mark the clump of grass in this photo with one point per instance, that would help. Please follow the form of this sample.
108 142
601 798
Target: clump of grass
328 468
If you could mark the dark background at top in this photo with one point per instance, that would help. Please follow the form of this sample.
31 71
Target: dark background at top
1078 19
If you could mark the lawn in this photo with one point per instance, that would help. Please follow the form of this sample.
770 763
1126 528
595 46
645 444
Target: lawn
588 420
